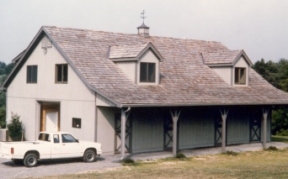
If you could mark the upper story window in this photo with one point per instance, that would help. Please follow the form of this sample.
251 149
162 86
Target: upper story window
61 73
240 76
32 74
147 72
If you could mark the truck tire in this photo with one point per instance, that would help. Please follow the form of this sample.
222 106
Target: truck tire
89 156
30 160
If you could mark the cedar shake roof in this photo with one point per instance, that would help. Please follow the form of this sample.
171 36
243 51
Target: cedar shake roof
134 52
126 51
184 79
224 57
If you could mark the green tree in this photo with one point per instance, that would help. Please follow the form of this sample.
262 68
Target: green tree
269 71
9 68
15 128
3 117
276 73
2 68
5 70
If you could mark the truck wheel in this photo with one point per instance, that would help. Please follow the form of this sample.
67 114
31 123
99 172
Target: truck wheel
30 160
89 156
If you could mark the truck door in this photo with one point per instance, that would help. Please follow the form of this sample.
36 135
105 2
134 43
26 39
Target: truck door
70 146
56 149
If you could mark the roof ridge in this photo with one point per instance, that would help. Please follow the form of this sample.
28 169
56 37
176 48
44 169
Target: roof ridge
134 34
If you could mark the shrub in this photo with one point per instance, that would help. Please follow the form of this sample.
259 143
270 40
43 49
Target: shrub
272 148
230 153
180 156
282 132
15 128
128 161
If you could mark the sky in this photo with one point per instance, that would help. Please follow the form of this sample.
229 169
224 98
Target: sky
259 27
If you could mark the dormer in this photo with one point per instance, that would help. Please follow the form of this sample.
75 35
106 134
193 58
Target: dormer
140 62
231 66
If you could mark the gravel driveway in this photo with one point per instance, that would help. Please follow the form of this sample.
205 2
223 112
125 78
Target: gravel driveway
9 170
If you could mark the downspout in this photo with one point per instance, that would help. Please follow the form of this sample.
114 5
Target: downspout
123 131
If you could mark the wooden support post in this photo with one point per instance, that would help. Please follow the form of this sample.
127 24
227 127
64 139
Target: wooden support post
175 117
123 131
224 114
264 128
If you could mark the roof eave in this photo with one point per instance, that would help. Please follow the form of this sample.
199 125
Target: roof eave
220 65
210 104
123 59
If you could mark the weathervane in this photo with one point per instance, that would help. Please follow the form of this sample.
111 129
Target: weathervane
142 15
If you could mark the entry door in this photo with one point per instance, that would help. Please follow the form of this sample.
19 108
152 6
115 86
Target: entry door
52 121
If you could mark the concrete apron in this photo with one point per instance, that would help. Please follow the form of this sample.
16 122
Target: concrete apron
203 151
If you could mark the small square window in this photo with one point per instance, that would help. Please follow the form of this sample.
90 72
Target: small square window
32 74
147 72
76 123
61 73
240 76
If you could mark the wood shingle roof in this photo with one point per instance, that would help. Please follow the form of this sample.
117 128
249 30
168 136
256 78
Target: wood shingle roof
185 80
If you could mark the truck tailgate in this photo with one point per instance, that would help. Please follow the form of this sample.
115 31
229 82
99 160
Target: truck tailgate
5 150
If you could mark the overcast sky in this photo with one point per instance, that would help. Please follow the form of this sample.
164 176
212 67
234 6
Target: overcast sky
260 27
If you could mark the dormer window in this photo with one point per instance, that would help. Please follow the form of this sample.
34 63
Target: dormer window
140 62
147 72
240 76
232 66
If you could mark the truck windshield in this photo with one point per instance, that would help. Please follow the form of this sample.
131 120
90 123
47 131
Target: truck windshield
44 137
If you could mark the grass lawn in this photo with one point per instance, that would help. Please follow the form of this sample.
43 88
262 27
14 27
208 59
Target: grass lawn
280 138
256 165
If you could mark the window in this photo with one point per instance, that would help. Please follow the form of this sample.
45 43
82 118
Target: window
56 138
68 138
147 72
76 122
240 76
61 73
32 74
44 137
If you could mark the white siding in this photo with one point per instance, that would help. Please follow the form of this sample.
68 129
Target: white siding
101 101
75 99
106 129
225 73
241 63
129 68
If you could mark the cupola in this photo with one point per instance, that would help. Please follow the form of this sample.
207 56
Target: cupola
143 30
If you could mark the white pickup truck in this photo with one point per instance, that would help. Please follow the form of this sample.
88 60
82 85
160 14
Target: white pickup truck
50 146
